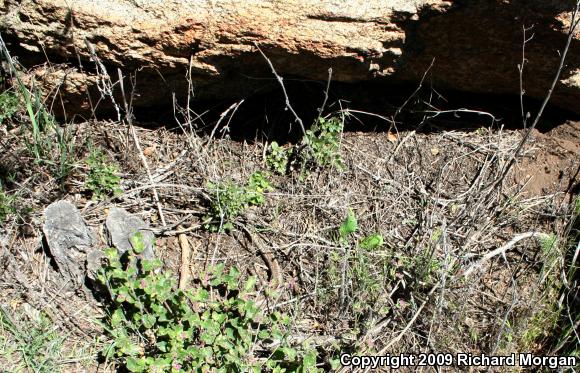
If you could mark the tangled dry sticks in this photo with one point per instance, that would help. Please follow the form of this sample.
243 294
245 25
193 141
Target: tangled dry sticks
439 280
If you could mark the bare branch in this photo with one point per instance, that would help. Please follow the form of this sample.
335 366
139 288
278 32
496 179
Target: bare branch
321 109
281 81
502 250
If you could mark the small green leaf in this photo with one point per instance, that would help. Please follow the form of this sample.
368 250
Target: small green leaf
372 242
219 317
349 225
335 364
290 353
136 365
138 243
250 283
148 321
234 272
117 318
310 359
111 253
150 265
228 227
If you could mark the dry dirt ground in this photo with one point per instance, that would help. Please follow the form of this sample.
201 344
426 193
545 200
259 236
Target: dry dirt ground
431 195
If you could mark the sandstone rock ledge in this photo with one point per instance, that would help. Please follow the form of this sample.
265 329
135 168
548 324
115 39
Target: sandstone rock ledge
476 44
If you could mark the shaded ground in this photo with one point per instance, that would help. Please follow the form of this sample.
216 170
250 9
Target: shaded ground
430 195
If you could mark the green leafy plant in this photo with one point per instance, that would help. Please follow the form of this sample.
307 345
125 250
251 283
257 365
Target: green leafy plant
214 326
560 320
6 205
372 242
322 142
228 200
548 245
362 275
319 148
540 326
277 158
348 226
8 105
102 177
424 267
257 186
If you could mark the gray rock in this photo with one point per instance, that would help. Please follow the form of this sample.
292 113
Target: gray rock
69 239
122 225
94 264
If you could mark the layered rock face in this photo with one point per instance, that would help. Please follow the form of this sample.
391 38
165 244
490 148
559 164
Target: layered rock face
476 45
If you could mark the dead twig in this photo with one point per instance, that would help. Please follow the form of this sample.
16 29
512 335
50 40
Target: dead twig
321 109
400 108
400 144
460 111
502 250
233 108
184 272
275 272
525 116
104 82
281 81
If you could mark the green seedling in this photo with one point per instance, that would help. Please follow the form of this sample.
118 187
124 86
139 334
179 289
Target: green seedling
228 201
277 158
6 205
102 178
319 147
8 106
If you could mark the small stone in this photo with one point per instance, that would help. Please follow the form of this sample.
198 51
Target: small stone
122 226
68 238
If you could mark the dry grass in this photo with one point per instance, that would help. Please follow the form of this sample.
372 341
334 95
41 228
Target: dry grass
429 196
